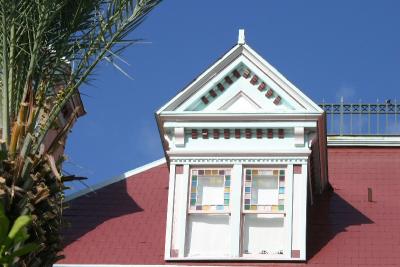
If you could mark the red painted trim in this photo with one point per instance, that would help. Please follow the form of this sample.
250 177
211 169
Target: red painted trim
227 133
220 87
277 100
254 80
237 133
281 133
270 133
269 93
297 169
204 133
262 86
259 133
228 79
216 133
194 134
248 133
213 93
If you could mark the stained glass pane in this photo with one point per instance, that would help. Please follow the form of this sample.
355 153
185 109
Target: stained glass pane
264 190
210 190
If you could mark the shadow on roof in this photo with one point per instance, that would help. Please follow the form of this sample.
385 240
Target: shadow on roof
329 216
91 210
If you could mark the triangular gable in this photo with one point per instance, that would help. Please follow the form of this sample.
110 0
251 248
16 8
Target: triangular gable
239 103
241 70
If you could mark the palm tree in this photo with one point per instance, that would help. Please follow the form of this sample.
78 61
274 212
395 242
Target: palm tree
48 50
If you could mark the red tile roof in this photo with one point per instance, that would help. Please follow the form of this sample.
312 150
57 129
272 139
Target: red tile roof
124 223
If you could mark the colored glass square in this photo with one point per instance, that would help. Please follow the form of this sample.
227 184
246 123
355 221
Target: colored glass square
282 178
255 172
194 177
248 177
207 172
201 172
282 172
227 182
214 172
247 201
206 207
227 177
193 190
274 208
276 172
221 172
227 189
226 195
198 207
247 207
248 172
193 195
253 207
281 207
192 202
247 189
220 207
281 190
226 201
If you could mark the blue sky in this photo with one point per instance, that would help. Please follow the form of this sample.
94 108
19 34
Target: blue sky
326 48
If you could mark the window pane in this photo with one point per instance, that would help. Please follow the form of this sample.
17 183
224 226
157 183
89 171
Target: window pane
208 235
210 189
263 234
264 190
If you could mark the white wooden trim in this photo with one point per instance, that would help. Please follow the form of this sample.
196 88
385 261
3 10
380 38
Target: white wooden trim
245 257
226 60
288 222
213 70
384 141
261 152
184 183
116 179
303 212
248 124
236 207
267 116
170 211
211 160
270 71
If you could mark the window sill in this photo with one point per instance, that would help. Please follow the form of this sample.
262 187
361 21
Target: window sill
245 257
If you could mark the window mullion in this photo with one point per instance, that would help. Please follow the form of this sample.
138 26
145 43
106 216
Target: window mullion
235 206
184 182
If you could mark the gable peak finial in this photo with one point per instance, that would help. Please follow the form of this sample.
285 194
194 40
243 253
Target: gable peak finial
241 37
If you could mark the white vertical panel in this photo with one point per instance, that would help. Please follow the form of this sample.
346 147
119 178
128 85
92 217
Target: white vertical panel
170 210
184 185
288 210
303 212
235 206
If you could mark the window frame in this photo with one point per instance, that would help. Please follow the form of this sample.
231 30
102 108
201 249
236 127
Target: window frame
227 207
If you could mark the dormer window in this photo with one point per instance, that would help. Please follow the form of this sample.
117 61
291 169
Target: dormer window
238 141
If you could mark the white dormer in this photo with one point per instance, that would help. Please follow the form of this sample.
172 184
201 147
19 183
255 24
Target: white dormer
245 148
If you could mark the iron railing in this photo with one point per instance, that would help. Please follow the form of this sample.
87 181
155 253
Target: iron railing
362 118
